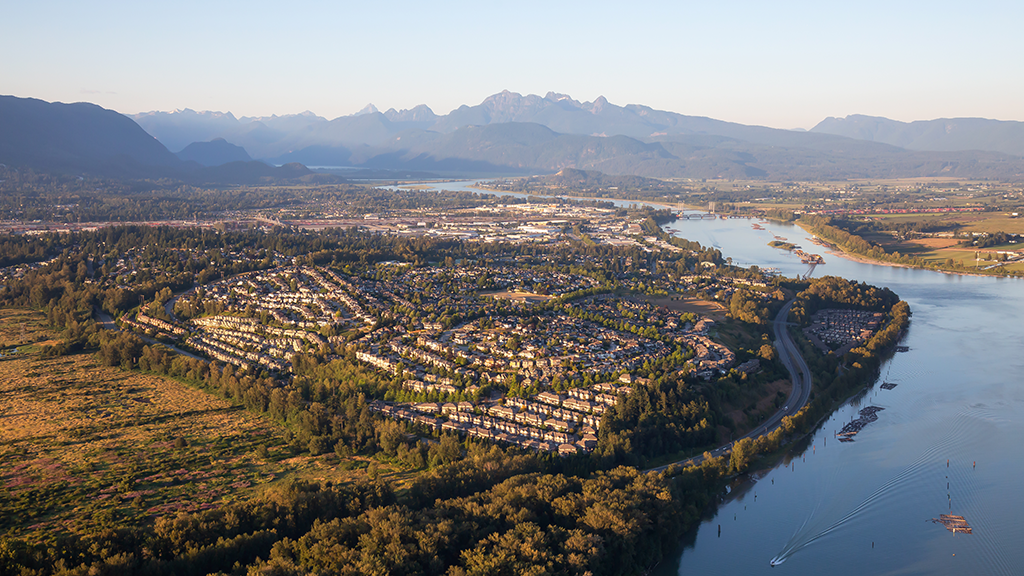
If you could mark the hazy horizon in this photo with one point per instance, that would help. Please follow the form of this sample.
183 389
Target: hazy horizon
787 65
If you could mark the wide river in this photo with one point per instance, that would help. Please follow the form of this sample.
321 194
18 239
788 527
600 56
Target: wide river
950 440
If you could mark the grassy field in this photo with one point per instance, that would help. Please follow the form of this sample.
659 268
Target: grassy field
22 328
941 250
694 305
85 446
969 221
528 296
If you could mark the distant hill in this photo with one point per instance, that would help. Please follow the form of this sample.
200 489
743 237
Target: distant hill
524 148
86 139
77 137
944 134
255 173
214 153
573 178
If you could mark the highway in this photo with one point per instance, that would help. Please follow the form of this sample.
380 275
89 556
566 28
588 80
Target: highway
794 362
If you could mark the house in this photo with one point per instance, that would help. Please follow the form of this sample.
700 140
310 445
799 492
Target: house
550 398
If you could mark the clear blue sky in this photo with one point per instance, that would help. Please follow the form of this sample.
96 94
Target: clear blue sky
781 64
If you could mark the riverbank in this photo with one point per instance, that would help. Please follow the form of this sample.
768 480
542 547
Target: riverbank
835 250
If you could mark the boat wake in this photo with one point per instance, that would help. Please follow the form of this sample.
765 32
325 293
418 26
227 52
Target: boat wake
800 541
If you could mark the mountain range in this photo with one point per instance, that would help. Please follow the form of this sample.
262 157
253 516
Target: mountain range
83 138
506 134
944 134
77 137
515 134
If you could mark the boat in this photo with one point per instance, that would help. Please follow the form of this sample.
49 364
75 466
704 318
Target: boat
776 561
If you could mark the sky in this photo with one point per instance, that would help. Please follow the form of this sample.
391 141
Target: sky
780 64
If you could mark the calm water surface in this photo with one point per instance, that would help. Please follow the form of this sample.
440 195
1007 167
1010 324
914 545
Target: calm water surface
864 507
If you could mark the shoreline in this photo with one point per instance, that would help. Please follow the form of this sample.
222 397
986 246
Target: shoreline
837 251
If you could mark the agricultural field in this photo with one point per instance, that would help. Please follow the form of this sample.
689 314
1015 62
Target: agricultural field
86 447
969 221
942 250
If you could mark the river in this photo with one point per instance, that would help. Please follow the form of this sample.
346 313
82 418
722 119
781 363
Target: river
864 507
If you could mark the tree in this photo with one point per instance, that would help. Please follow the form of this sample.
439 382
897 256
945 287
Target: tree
742 452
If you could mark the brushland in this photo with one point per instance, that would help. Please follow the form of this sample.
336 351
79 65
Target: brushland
86 447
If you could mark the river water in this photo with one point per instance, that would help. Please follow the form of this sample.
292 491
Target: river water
864 507
947 442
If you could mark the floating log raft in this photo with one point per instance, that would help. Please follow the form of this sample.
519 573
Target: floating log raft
867 416
953 523
887 385
903 348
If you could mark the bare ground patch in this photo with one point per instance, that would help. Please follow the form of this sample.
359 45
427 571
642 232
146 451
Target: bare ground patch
766 403
693 305
528 296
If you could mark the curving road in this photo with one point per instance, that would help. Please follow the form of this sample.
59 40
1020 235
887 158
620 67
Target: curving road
107 322
790 357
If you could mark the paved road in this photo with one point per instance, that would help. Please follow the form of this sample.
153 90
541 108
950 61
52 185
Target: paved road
105 321
790 357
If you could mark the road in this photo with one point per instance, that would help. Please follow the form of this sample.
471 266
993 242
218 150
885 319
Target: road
105 321
794 362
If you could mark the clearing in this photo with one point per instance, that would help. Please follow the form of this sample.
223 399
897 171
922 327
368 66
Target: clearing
694 305
85 447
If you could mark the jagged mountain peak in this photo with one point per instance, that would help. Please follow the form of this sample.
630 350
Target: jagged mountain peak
420 113
599 105
562 98
368 109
